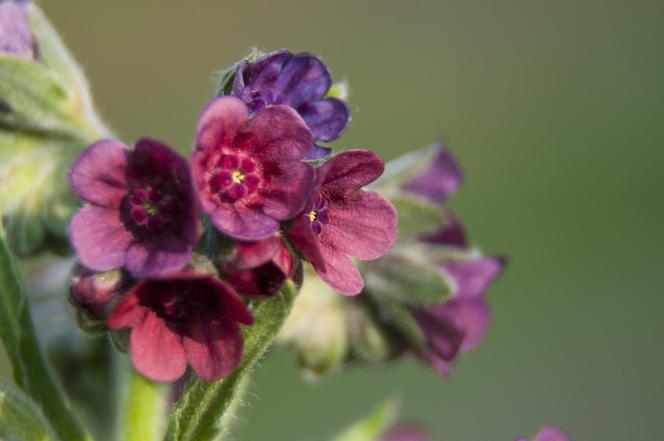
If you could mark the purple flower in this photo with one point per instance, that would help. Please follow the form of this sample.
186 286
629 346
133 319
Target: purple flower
439 180
300 81
259 268
406 432
249 171
548 433
459 324
341 220
183 318
140 210
15 31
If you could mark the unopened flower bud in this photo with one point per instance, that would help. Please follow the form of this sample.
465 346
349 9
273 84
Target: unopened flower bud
94 295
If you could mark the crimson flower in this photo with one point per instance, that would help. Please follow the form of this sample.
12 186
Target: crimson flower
259 268
342 221
249 171
140 210
182 318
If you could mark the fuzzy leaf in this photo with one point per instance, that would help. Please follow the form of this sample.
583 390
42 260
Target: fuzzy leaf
21 419
417 216
406 276
200 413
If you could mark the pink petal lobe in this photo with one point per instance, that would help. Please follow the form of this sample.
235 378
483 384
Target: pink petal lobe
156 257
99 238
156 351
351 170
128 313
213 348
363 224
220 122
99 174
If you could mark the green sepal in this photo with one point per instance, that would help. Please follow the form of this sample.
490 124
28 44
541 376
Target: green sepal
372 426
399 318
400 170
417 216
368 341
21 419
204 406
407 275
224 80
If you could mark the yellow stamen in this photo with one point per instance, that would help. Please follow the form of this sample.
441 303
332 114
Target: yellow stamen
238 177
312 215
150 209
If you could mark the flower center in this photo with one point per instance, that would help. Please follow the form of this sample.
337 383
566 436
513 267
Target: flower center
233 177
319 216
149 208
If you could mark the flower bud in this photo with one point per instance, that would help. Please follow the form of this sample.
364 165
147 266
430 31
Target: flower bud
15 34
94 295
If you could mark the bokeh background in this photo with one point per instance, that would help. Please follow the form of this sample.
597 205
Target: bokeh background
555 110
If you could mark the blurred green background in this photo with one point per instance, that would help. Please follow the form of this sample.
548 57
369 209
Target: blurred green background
555 112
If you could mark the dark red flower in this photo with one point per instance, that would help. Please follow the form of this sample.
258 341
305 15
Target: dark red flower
249 171
259 268
183 318
141 211
342 221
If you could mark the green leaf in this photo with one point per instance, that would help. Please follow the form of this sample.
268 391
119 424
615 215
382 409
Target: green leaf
401 169
21 419
408 276
371 427
30 370
417 216
36 98
55 55
200 413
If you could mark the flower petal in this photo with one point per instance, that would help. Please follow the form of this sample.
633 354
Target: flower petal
15 33
327 118
156 351
240 221
213 348
363 225
280 140
99 238
440 180
351 170
451 234
250 255
473 277
219 123
340 272
155 257
261 74
128 313
99 176
304 78
475 315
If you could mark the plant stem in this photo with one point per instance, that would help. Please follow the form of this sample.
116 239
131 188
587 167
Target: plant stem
143 409
205 407
30 369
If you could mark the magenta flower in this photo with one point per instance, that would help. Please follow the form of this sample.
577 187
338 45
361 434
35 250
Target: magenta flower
299 81
342 221
439 180
15 32
548 433
459 324
249 172
140 210
259 268
183 318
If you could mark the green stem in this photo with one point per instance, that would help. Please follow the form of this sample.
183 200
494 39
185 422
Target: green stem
30 369
205 407
143 409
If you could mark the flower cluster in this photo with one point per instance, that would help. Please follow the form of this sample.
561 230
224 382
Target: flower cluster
426 296
190 238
